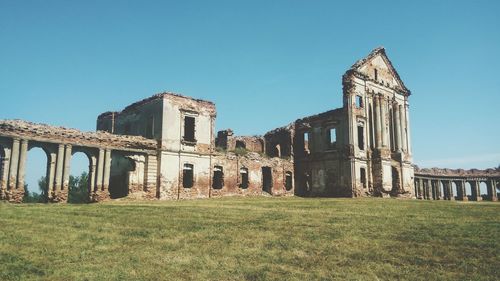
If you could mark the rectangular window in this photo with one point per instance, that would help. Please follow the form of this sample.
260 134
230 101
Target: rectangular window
267 179
218 178
306 142
359 102
361 137
332 137
376 74
244 178
187 176
362 173
189 128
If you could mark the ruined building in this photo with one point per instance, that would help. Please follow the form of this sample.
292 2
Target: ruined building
165 147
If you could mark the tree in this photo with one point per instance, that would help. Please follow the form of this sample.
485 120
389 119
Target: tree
78 188
31 197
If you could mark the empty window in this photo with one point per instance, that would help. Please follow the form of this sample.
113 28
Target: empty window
277 151
361 137
376 74
359 101
332 137
240 144
288 180
218 178
189 128
244 177
362 172
187 176
306 141
267 179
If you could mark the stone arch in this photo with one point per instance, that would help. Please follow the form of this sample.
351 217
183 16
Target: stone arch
121 165
454 190
44 185
441 191
468 189
80 190
483 189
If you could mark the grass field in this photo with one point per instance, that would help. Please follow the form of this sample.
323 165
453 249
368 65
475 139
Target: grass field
251 239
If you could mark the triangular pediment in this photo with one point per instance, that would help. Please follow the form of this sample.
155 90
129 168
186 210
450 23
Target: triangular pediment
378 67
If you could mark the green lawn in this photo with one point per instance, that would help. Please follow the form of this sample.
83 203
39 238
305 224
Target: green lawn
251 239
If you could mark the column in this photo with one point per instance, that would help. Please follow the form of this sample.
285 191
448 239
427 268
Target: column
4 177
397 129
92 171
22 164
439 194
430 193
100 170
416 187
492 190
435 192
51 172
476 191
402 128
421 189
445 195
59 170
378 128
66 167
107 170
408 139
14 163
383 121
450 190
462 195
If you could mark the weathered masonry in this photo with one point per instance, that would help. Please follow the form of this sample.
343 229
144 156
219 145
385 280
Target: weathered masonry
464 185
162 147
361 149
114 161
165 147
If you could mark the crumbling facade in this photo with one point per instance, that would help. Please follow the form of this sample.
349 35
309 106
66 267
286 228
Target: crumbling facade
457 184
361 149
165 147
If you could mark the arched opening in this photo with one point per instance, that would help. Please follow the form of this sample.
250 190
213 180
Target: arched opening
288 181
468 190
240 144
121 166
259 146
483 190
267 179
78 188
35 179
218 177
277 150
442 194
454 191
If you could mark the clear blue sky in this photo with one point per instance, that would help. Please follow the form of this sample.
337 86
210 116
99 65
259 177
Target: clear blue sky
264 63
